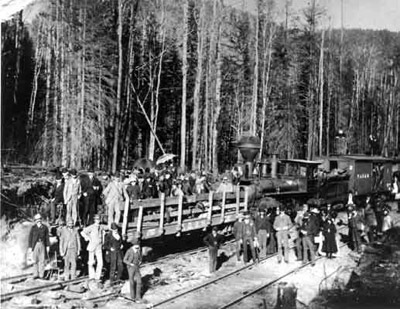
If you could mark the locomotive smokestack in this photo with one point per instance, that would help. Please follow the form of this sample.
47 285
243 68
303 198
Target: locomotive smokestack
249 147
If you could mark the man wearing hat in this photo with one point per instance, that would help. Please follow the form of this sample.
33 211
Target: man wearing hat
113 243
72 193
249 236
39 245
263 229
91 191
213 242
94 235
115 198
237 232
307 230
70 246
133 259
57 198
225 185
282 225
316 228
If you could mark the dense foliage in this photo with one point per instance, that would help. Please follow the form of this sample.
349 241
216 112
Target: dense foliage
99 83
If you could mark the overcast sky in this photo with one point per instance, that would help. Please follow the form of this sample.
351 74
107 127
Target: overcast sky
364 14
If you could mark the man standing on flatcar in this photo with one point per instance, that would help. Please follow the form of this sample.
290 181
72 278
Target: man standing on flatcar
282 225
249 236
57 200
72 193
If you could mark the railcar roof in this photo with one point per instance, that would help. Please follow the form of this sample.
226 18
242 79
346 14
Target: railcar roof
362 158
301 161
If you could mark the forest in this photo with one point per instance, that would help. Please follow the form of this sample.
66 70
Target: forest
101 83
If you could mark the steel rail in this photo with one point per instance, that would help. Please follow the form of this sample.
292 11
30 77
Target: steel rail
213 281
172 298
266 285
36 289
17 277
189 252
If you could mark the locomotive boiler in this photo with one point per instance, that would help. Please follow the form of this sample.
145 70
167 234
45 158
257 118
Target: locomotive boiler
284 180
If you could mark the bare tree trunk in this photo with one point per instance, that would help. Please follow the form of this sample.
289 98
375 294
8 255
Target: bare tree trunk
47 99
218 83
64 90
82 147
56 97
184 83
38 65
119 89
321 92
265 81
157 94
73 94
253 116
100 115
18 37
197 87
129 110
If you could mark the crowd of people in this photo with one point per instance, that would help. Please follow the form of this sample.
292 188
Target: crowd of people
312 228
78 197
257 233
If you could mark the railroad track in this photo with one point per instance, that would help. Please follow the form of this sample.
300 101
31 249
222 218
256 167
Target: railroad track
253 292
60 284
245 277
40 288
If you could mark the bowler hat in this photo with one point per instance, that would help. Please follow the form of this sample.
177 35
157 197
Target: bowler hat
114 226
73 172
37 217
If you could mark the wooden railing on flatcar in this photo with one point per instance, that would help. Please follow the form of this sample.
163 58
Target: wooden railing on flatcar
186 213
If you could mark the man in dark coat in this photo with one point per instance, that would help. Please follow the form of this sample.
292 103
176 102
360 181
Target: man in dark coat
39 246
149 189
237 232
213 241
249 236
91 191
113 244
57 199
263 229
133 259
307 230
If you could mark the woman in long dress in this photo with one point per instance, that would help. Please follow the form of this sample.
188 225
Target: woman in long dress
329 245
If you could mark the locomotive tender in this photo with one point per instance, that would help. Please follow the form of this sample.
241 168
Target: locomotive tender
328 180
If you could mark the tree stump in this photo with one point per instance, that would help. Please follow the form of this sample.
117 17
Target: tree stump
287 294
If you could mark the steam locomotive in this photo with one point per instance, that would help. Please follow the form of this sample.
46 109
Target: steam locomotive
326 181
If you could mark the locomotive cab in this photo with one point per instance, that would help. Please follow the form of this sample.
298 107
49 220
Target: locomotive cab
362 175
